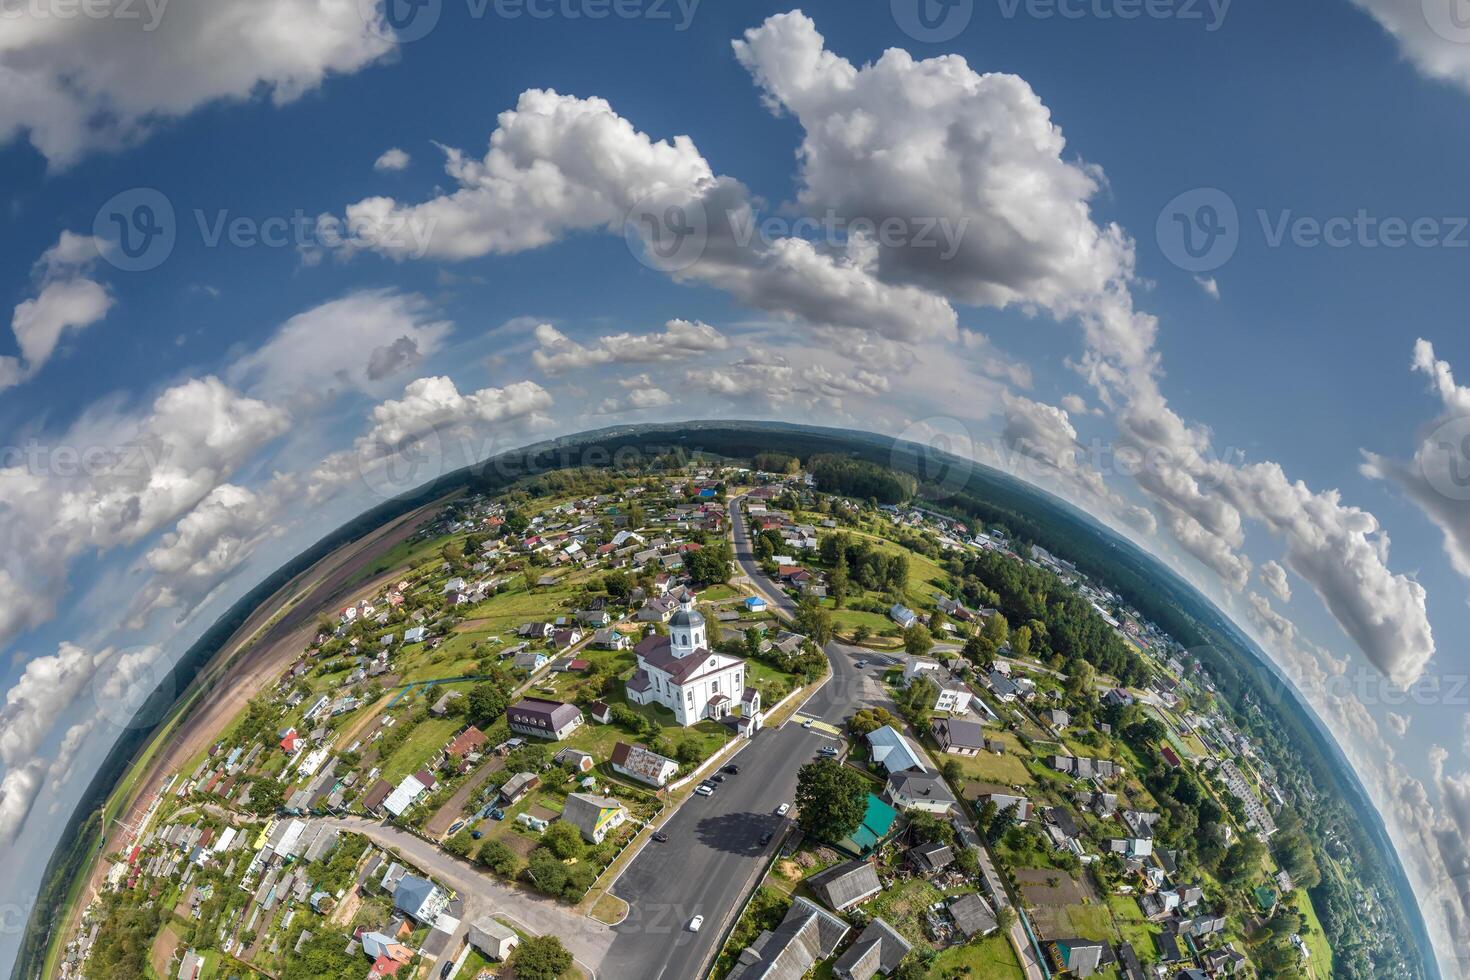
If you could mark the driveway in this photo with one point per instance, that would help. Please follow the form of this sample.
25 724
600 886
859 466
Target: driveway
483 894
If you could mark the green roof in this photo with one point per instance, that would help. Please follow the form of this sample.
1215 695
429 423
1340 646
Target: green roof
877 824
1265 898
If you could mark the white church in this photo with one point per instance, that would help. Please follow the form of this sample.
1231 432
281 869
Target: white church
679 672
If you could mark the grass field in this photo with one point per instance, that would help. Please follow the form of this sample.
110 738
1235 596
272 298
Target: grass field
991 957
1321 961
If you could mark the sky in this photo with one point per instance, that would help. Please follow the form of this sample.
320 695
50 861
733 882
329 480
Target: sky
1196 265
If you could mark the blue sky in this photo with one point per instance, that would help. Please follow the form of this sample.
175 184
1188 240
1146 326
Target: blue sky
268 385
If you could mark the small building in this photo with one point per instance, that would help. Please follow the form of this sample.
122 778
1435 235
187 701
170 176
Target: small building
576 759
959 737
903 615
972 915
755 604
611 639
493 938
517 787
893 751
918 790
877 951
467 741
420 899
1079 957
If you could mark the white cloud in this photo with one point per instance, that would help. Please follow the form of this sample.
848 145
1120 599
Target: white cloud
680 340
1429 33
351 343
112 479
66 301
391 159
1077 405
1273 576
1209 285
1399 723
76 84
642 395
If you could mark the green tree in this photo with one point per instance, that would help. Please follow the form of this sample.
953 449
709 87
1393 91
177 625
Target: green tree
498 857
564 840
814 621
996 630
540 958
839 580
831 799
1021 641
917 640
486 702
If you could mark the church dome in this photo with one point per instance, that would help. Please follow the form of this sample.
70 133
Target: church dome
687 617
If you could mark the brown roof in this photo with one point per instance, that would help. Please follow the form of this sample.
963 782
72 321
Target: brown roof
657 651
376 794
465 742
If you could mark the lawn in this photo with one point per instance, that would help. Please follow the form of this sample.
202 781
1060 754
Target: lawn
991 957
1316 940
1132 924
1006 769
427 738
902 906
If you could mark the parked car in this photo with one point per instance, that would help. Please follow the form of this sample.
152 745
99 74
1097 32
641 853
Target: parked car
476 834
695 923
827 750
497 814
455 828
783 809
446 970
766 838
732 769
704 790
717 778
660 836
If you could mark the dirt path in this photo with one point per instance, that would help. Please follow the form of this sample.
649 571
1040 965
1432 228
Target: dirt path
242 668
454 806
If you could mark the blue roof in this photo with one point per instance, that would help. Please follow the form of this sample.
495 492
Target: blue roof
411 894
755 602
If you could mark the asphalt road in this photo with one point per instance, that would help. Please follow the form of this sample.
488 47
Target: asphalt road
714 855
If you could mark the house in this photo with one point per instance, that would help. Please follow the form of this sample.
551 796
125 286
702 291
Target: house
593 617
643 764
404 795
594 816
419 899
807 935
755 604
1004 798
916 790
953 698
601 712
903 615
531 660
610 639
378 946
893 751
493 938
467 741
844 885
542 718
441 707
376 794
878 822
972 915
877 951
931 857
1002 686
958 737
518 786
291 742
575 759
416 634
1079 957
1057 718
679 672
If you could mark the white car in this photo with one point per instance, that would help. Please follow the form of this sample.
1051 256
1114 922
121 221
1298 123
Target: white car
704 791
695 923
782 810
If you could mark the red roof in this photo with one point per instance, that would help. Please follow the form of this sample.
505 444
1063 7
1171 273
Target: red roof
465 742
291 741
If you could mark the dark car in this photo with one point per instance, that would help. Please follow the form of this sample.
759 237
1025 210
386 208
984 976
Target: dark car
717 778
660 836
766 838
447 969
477 834
732 769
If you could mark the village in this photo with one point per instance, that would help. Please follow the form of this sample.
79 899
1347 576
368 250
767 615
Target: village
463 762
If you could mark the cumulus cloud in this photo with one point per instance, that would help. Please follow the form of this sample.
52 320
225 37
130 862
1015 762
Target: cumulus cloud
66 301
767 378
1399 723
1273 576
75 84
1209 285
350 343
391 159
432 410
679 340
643 394
112 479
559 164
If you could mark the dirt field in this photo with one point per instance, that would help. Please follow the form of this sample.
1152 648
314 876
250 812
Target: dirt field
327 585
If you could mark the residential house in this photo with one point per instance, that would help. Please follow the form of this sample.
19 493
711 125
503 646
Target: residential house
542 718
931 857
643 764
610 639
845 885
442 707
959 737
419 899
531 660
517 787
576 759
755 604
972 915
877 951
1079 957
903 615
466 742
807 935
406 793
919 790
594 816
893 751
